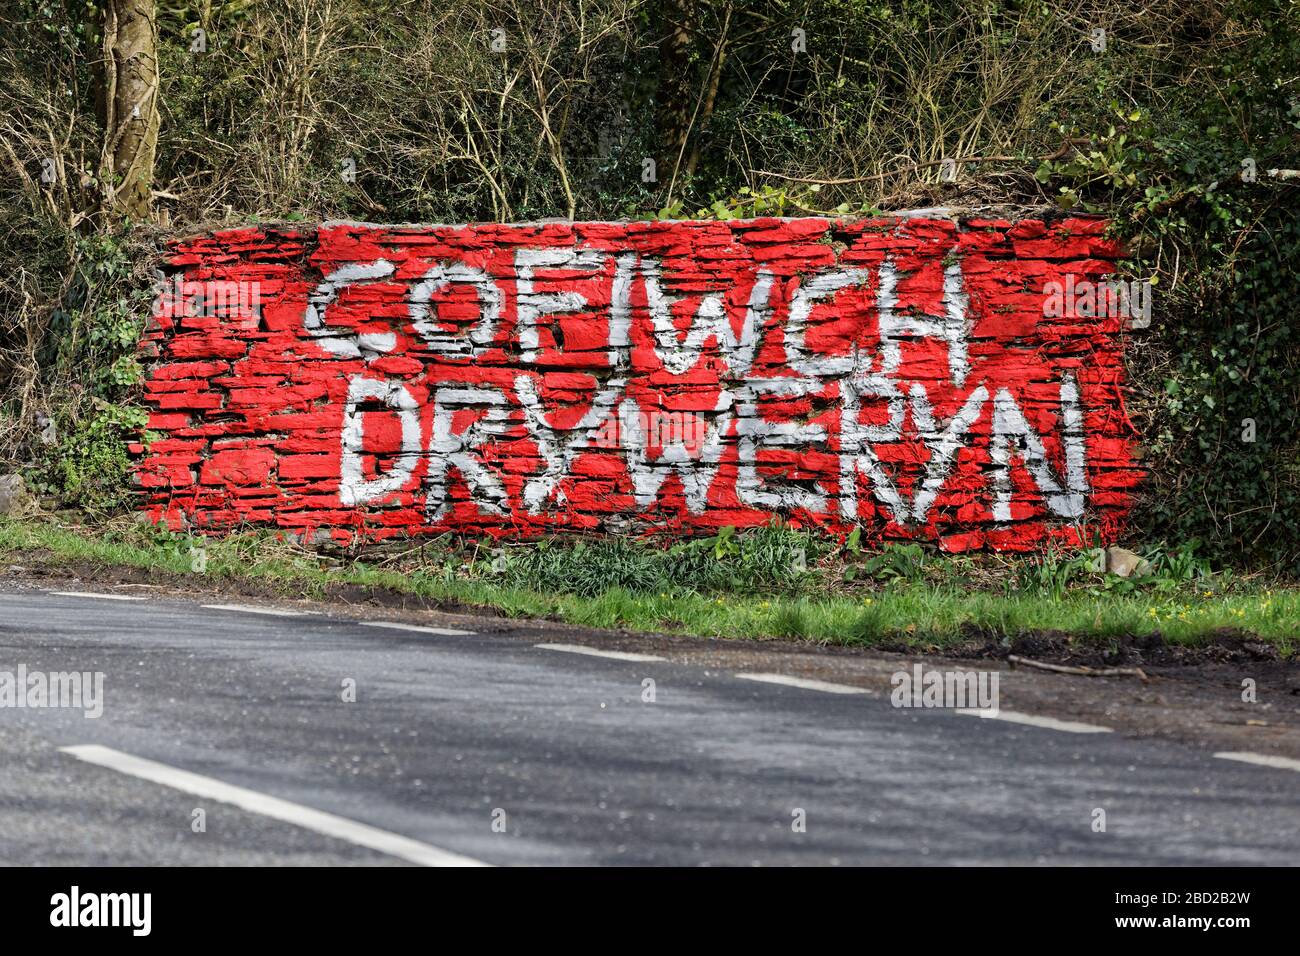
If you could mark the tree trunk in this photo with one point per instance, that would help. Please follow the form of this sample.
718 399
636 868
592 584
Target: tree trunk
711 93
130 105
674 24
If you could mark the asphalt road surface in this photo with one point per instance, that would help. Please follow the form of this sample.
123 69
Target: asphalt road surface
485 747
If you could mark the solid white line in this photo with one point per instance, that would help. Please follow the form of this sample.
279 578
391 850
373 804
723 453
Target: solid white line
596 652
804 682
255 609
1050 723
328 824
97 594
1264 760
398 626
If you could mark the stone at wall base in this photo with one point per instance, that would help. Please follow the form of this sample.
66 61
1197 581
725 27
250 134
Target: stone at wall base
14 498
1125 563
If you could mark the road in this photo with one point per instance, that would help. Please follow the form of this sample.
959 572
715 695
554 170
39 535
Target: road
485 747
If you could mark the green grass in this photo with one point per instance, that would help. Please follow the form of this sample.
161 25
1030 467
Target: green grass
736 585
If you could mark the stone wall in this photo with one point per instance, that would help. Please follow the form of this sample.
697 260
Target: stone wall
916 377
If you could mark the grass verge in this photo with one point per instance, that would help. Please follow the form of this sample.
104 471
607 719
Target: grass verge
763 584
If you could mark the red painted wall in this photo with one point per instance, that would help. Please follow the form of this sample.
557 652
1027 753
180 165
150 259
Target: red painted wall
897 374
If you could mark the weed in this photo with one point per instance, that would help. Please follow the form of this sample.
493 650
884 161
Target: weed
1053 573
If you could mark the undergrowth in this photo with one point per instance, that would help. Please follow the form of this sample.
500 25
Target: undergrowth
773 582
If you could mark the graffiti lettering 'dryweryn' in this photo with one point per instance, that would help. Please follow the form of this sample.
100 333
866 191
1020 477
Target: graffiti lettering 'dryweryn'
899 375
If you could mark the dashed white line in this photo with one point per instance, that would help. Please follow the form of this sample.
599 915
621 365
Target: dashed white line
596 652
99 594
1033 720
1264 760
340 828
254 609
420 628
804 682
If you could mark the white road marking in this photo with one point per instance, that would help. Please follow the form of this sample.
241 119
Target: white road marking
98 594
1033 720
804 682
255 609
596 652
340 828
1264 760
398 626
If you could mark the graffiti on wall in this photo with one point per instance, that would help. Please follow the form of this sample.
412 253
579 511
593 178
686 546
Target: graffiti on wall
900 375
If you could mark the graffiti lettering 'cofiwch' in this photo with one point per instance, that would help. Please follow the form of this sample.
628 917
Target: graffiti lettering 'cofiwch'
898 375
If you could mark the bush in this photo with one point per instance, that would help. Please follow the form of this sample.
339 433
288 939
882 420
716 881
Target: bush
403 111
1217 384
